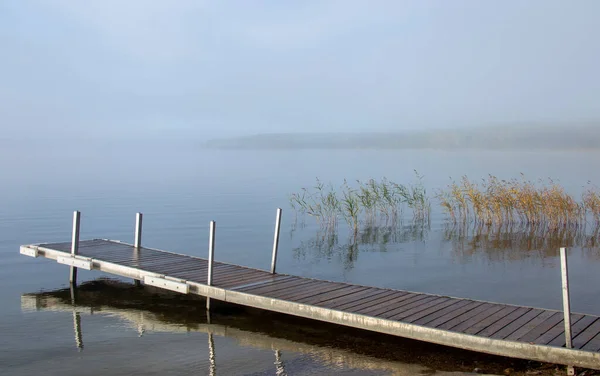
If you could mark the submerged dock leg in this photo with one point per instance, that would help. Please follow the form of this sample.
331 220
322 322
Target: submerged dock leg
212 365
566 303
137 241
74 246
211 255
279 366
276 241
76 320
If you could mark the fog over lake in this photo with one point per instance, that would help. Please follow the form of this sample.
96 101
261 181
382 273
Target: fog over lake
198 111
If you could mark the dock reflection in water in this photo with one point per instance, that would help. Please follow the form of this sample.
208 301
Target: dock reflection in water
295 347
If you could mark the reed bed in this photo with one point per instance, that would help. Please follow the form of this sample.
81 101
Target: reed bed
370 203
519 201
487 202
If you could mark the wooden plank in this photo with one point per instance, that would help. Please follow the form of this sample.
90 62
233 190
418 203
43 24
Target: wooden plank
62 247
365 294
273 290
556 330
164 261
383 299
432 309
448 321
389 304
543 316
470 318
164 268
345 292
257 290
394 303
235 274
132 261
451 315
103 246
411 308
379 296
593 344
479 326
577 328
585 336
192 263
115 250
223 276
461 304
200 266
192 275
267 280
220 268
542 327
300 288
247 279
515 325
305 293
498 325
130 258
275 278
66 246
192 266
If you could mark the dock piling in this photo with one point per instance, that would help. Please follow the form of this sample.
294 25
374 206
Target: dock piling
74 245
137 243
276 241
566 303
137 240
211 255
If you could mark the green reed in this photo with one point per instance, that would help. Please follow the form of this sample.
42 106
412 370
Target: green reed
369 203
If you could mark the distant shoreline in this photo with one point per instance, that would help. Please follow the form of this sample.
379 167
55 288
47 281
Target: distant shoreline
572 138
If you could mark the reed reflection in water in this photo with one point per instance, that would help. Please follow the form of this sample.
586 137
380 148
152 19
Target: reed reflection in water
326 244
496 243
516 242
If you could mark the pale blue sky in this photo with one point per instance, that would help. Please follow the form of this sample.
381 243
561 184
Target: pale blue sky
114 68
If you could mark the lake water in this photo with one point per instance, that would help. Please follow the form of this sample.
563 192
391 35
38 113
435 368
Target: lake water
180 189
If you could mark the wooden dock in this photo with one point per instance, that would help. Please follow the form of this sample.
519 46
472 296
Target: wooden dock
500 329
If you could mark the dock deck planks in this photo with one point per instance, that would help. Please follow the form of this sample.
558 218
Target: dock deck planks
510 330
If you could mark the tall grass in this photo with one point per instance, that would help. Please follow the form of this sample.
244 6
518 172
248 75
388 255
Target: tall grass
487 202
370 203
518 201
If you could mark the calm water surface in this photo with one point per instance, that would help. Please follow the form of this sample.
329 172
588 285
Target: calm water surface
180 189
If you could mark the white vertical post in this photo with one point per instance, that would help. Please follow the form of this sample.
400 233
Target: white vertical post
137 242
211 255
276 241
74 245
566 303
565 295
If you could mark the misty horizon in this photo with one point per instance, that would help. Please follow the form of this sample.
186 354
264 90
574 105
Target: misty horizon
113 70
